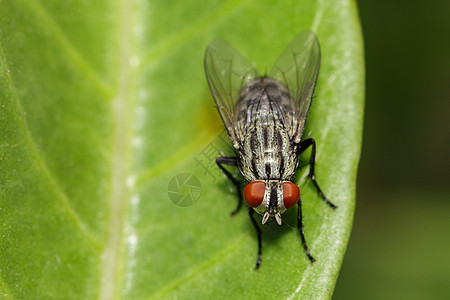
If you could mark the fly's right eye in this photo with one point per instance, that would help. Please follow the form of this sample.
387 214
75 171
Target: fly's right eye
254 193
291 194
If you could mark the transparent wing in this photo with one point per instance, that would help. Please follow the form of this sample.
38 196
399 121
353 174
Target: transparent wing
297 68
227 72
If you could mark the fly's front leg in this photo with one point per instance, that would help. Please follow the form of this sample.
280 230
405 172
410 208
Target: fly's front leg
258 232
303 146
300 229
231 161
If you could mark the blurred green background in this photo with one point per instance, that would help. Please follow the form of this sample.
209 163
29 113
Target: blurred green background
400 243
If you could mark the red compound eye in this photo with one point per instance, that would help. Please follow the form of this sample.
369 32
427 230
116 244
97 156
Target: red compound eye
254 193
291 194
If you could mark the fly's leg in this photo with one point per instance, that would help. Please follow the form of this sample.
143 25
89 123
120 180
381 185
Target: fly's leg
231 161
300 229
303 146
258 232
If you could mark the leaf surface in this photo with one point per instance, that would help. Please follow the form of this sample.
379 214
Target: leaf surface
103 103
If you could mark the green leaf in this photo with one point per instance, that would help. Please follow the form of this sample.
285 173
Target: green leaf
103 103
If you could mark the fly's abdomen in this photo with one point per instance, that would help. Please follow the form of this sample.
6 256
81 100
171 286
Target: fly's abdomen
267 153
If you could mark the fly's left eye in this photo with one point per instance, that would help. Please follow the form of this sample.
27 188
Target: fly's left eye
254 193
291 194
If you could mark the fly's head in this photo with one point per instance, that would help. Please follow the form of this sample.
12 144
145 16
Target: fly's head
271 198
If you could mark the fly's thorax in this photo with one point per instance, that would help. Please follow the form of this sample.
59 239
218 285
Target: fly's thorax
267 152
262 96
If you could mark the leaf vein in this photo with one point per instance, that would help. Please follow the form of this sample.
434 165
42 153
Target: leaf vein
37 155
160 50
193 272
70 49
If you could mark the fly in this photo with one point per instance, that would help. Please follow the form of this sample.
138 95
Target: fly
265 118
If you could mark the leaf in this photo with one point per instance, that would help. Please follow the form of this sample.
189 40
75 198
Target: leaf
103 103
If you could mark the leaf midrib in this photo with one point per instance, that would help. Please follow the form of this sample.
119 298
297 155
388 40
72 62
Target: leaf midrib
122 184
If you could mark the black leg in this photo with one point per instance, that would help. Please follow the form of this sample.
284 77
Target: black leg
231 161
300 229
303 146
258 232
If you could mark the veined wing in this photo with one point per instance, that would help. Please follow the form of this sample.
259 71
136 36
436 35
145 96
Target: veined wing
227 72
298 68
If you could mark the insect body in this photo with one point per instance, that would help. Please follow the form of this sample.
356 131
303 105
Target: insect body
265 117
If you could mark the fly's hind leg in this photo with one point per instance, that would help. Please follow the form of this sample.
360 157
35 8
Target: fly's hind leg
312 161
231 161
